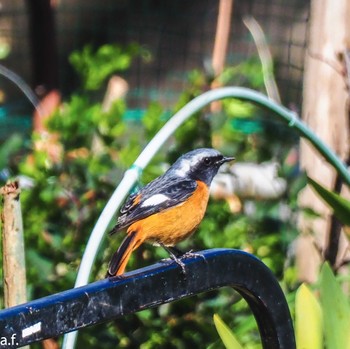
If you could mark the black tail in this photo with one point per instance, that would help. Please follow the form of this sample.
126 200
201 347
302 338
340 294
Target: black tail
120 258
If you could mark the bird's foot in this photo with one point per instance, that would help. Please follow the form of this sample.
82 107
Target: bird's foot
192 254
179 262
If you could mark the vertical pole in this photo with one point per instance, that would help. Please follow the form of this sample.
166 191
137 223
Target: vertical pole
326 111
222 35
13 246
43 42
14 271
220 45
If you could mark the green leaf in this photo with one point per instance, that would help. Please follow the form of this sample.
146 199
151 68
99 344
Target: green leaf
95 66
8 148
336 311
308 320
41 266
225 334
238 109
340 206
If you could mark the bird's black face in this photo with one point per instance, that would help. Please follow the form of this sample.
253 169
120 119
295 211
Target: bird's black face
200 164
207 167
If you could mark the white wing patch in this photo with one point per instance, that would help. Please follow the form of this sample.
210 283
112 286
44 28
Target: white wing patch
155 200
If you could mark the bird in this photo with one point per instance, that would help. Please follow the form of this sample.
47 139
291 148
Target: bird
168 209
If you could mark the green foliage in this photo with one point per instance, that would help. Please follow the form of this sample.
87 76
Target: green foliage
95 67
247 73
340 206
9 148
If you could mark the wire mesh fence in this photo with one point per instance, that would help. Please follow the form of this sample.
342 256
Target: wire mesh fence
179 34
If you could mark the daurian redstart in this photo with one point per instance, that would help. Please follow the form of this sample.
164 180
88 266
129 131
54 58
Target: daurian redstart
168 209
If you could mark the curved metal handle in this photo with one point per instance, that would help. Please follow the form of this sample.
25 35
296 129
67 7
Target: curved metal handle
107 299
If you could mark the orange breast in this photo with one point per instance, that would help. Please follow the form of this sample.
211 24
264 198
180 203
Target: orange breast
175 224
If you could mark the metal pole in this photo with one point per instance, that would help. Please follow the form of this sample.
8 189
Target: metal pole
148 287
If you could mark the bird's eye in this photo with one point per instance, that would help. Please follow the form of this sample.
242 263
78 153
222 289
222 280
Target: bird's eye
207 161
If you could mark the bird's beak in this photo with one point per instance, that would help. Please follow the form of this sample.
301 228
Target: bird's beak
226 159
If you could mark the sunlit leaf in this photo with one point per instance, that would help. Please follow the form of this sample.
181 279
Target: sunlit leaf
308 320
225 334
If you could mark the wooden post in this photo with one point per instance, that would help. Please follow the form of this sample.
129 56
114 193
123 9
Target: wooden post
222 35
326 111
220 45
14 270
13 246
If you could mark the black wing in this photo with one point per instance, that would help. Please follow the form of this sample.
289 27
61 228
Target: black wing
136 206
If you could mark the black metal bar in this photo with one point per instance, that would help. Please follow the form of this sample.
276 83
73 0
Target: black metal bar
160 283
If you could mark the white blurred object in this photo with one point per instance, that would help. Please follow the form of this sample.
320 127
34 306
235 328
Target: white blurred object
26 182
248 181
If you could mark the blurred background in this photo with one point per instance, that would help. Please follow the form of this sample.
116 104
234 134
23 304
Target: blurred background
38 36
85 85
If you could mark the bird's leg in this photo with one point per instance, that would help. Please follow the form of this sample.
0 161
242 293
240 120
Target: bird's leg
175 255
180 254
174 251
